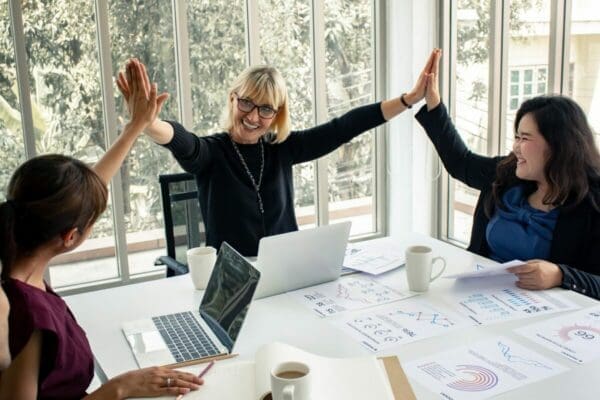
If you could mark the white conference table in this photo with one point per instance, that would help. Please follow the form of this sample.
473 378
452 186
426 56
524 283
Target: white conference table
283 319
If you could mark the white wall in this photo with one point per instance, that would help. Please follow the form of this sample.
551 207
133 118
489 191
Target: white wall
411 34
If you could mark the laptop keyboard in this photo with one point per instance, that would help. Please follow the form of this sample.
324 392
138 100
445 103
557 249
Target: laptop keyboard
184 336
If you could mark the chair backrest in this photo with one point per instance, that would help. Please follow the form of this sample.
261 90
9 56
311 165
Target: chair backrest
184 228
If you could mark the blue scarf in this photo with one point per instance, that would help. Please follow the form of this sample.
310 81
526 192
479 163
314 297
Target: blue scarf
520 231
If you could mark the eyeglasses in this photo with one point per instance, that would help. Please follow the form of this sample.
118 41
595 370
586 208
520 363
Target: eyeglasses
246 105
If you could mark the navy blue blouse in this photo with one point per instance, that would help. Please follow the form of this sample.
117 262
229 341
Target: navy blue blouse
520 231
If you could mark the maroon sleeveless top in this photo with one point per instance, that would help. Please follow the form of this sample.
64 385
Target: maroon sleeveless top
67 363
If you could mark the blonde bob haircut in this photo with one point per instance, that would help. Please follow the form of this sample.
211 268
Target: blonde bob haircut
264 85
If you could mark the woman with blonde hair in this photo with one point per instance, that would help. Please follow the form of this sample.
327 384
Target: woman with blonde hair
244 174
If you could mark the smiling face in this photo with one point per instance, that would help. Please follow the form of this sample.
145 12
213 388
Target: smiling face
248 127
531 149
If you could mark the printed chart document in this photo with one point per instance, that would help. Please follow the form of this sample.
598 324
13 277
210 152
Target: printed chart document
374 256
394 324
347 293
575 335
482 370
483 270
496 299
332 378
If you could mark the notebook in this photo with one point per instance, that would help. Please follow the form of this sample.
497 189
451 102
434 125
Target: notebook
210 332
299 259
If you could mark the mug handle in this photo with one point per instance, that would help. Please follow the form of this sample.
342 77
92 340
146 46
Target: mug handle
288 392
441 271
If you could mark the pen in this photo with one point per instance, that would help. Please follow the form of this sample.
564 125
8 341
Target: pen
200 375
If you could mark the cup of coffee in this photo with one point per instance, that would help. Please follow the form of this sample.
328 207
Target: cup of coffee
290 381
419 262
201 261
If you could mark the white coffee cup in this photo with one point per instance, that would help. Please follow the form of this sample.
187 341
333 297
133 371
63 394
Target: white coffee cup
419 264
201 261
290 381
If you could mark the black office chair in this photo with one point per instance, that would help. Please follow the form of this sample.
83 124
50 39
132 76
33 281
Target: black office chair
181 211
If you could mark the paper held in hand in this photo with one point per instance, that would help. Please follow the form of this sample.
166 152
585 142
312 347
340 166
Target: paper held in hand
482 270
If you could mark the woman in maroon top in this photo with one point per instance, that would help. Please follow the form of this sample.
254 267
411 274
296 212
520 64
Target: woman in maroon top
4 308
53 202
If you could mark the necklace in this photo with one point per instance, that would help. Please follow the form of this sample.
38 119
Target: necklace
262 165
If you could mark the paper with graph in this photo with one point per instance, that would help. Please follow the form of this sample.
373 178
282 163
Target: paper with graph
497 299
374 256
347 293
576 336
395 324
482 370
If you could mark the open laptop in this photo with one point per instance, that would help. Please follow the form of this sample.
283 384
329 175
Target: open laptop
302 258
194 336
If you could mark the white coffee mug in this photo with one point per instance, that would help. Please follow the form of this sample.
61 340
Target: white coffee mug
419 264
290 381
201 261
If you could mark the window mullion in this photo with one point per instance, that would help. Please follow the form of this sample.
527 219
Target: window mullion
182 61
252 32
379 138
16 19
557 46
320 104
110 124
499 33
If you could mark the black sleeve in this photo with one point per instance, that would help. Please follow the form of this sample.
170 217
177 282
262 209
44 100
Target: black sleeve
472 169
580 281
309 144
190 151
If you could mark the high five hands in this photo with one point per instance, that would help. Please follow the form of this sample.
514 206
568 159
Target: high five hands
427 85
143 101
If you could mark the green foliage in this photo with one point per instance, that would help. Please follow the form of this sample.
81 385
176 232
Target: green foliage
65 82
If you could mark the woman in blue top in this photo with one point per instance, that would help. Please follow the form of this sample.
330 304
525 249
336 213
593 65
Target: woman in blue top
541 203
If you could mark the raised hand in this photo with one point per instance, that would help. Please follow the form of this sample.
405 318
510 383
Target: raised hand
432 92
417 93
143 102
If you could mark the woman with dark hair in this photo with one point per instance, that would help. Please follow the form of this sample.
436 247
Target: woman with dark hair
52 204
4 310
541 203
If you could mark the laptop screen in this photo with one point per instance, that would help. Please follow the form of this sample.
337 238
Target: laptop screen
228 294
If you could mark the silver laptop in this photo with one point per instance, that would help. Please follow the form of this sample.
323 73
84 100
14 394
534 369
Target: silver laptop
194 336
302 258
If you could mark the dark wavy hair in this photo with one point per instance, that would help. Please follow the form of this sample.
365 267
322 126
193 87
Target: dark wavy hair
573 168
47 196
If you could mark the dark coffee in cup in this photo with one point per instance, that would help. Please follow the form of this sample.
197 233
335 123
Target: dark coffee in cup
290 374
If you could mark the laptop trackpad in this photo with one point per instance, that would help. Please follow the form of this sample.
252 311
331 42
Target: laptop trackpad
146 342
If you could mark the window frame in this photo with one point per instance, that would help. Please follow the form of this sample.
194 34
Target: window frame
184 98
557 81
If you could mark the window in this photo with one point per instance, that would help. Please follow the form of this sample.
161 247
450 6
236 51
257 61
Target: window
76 109
525 83
583 66
542 54
479 82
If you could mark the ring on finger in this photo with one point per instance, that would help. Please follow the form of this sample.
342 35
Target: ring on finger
168 381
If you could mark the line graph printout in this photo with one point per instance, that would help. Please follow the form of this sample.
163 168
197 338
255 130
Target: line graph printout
347 293
576 336
482 370
399 323
502 303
